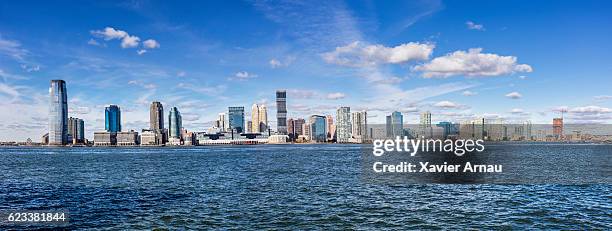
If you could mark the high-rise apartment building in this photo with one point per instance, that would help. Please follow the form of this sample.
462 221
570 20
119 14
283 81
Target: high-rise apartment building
58 113
236 119
112 118
281 111
222 122
359 125
318 128
343 124
175 123
425 128
76 130
395 124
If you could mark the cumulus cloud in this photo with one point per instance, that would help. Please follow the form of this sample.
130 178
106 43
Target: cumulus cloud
469 93
473 26
357 54
471 63
129 41
446 104
243 76
150 44
335 96
277 63
514 95
141 51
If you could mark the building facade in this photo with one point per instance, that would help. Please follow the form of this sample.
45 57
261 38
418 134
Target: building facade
281 111
236 119
318 128
175 123
58 113
343 124
112 118
395 124
129 138
425 128
359 126
76 130
259 118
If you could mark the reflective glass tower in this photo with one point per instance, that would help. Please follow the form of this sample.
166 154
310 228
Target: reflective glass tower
236 119
318 131
58 113
112 115
175 123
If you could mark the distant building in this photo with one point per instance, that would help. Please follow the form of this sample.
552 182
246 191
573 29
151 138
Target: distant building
45 139
156 121
306 130
58 113
259 118
278 139
318 128
343 125
112 118
105 138
222 122
236 119
331 129
76 130
129 138
175 123
395 124
149 138
425 129
294 127
359 126
448 129
472 129
281 111
558 128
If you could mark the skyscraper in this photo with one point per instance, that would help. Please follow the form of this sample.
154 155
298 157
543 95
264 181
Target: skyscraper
236 119
425 128
395 124
294 127
281 111
318 127
263 118
359 125
254 119
331 128
58 113
76 130
112 118
259 118
156 116
343 124
175 123
222 122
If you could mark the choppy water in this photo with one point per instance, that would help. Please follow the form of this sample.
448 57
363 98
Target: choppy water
259 187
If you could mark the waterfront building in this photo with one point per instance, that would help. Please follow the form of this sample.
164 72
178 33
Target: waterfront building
105 138
343 125
76 130
45 139
175 123
259 118
359 126
112 118
558 128
472 129
425 129
318 128
278 139
281 111
222 122
395 124
448 129
236 119
129 138
263 118
156 120
294 127
331 129
149 138
58 113
306 130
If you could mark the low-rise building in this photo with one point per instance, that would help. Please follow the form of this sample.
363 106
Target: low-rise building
105 138
150 138
129 138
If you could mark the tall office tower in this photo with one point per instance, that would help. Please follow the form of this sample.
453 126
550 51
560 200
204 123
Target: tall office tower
236 119
254 125
76 130
318 129
557 128
222 122
425 128
331 129
359 125
294 127
395 124
175 123
343 124
58 113
156 116
281 111
112 118
263 118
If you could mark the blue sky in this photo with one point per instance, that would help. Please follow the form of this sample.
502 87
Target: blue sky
516 60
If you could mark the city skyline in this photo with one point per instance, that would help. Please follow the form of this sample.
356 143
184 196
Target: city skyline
397 58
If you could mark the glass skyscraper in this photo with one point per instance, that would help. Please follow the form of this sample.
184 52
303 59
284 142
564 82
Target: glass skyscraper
318 131
281 111
76 129
58 113
112 118
236 119
395 124
175 123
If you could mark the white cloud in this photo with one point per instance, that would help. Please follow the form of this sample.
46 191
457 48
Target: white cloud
473 26
109 33
275 63
522 77
150 43
243 76
514 95
590 110
471 63
389 80
357 54
446 104
93 42
9 91
335 96
469 93
181 74
141 51
516 111
603 97
130 41
12 49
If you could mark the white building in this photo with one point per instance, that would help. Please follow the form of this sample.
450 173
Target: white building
359 126
343 125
